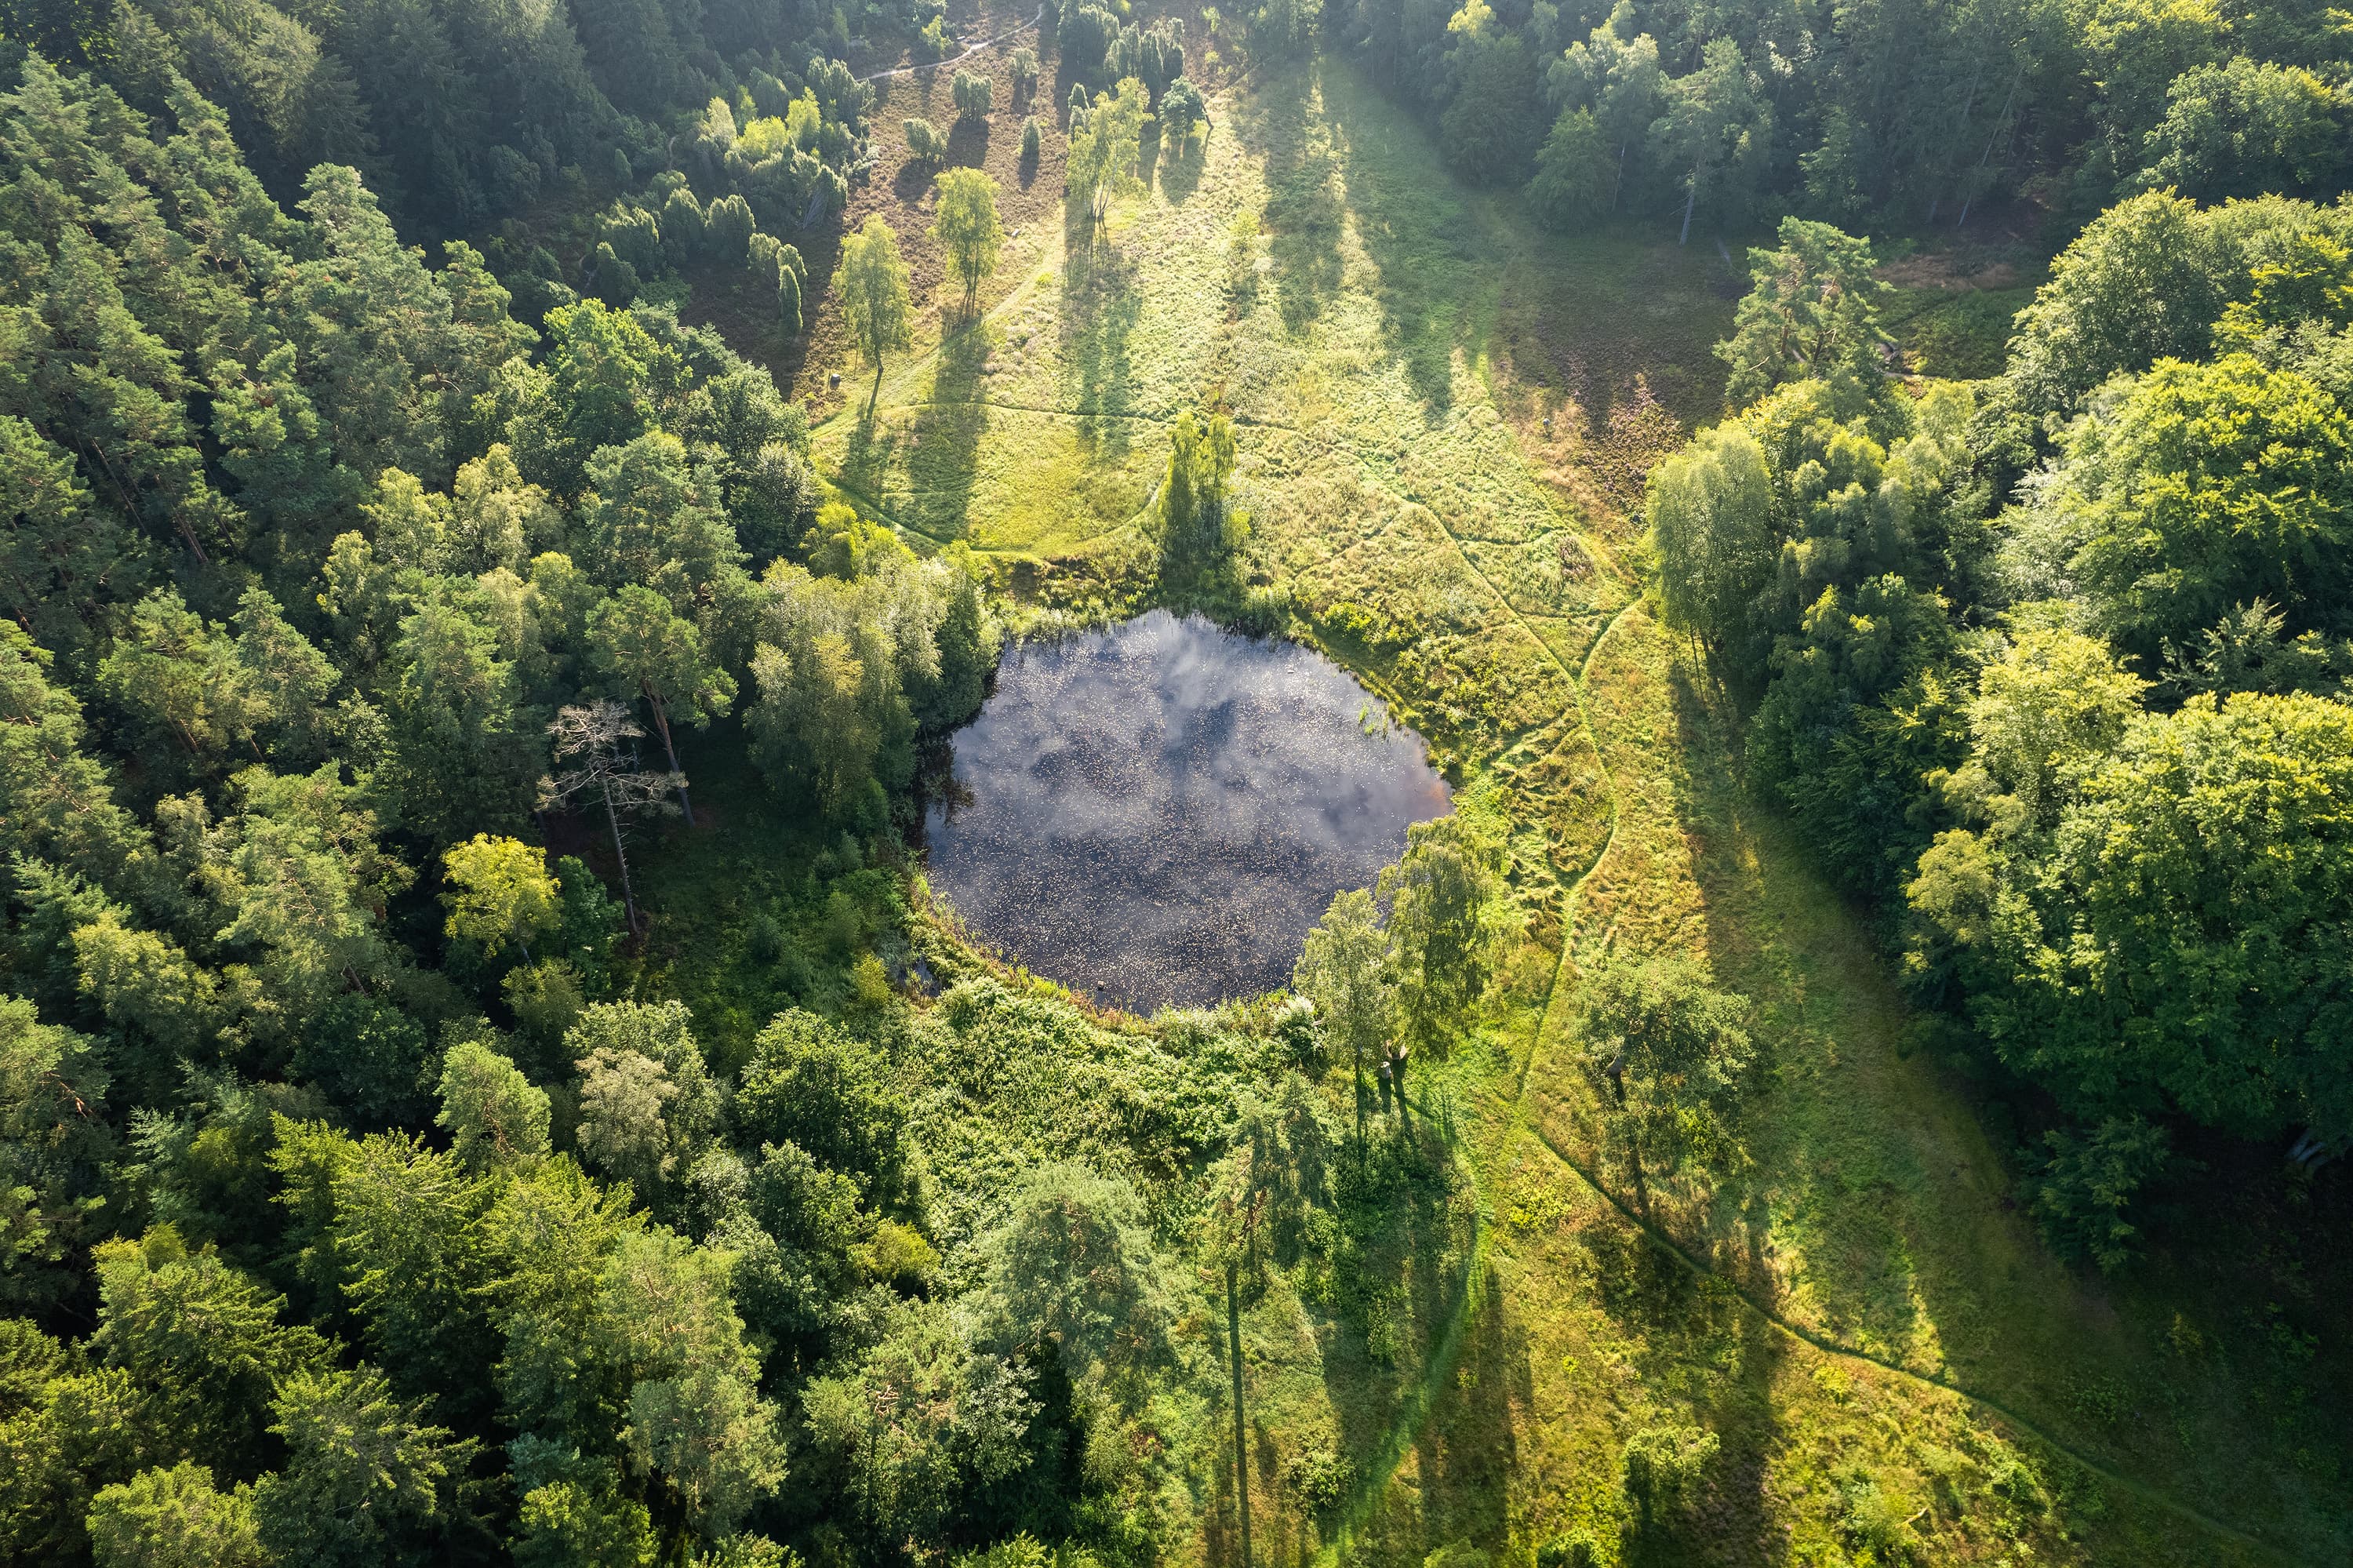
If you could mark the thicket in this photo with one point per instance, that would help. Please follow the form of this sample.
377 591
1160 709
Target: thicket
1884 113
458 114
2057 670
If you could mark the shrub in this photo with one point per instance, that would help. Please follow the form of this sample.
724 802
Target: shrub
925 142
1024 66
974 95
1030 139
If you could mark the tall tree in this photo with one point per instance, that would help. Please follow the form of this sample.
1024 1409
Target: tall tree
1810 311
875 302
1718 129
596 753
965 225
1101 167
1346 970
636 642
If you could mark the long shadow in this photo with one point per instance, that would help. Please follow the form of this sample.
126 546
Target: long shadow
1303 213
1471 1448
968 142
942 445
1415 231
1181 166
1099 311
1679 1323
1399 1273
1864 1276
871 448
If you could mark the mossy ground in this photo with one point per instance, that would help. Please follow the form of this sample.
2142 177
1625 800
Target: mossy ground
1443 418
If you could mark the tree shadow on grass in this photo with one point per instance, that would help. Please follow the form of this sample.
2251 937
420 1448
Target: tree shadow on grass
1398 1273
1417 233
943 448
869 452
1470 1446
912 181
1100 306
1850 1173
1302 213
1710 1362
1181 167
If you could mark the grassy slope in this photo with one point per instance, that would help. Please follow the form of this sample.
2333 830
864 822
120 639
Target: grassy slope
1391 347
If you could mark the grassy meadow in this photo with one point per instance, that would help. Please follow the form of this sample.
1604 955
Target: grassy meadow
1443 418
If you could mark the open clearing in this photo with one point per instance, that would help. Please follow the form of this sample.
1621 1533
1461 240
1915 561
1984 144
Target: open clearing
1443 418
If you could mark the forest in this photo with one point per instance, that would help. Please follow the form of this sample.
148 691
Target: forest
506 507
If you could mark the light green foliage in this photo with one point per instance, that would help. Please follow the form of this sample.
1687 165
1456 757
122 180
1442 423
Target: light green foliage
1710 508
2056 699
1443 909
2244 129
1662 1463
1346 970
2173 914
2207 487
925 145
812 1086
965 225
872 281
647 650
56 802
972 95
1810 313
647 1104
565 1524
494 1115
1195 521
500 892
202 1341
1072 1268
366 1476
1675 1053
173 1519
694 1412
1100 169
1181 108
919 1415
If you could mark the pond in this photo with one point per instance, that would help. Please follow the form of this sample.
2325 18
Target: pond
1157 813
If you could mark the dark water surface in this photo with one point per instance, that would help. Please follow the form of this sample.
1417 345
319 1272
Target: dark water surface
1158 812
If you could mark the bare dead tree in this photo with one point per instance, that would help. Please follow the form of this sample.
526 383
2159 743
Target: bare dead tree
595 748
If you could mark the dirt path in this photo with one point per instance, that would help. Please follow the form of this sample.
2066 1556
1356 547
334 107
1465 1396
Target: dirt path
976 48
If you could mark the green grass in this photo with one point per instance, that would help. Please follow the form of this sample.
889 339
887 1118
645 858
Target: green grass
1443 418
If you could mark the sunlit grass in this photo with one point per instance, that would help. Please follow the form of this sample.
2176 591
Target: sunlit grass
1443 416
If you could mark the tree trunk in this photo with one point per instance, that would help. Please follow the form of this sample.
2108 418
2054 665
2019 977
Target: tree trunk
1691 199
1241 1448
629 897
1359 1056
661 723
877 393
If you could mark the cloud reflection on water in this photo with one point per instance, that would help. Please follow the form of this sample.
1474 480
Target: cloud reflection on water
1158 812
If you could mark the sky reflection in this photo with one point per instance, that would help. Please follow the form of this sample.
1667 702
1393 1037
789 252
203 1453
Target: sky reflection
1157 813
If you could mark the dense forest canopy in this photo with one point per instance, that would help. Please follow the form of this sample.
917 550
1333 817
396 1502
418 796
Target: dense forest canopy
385 562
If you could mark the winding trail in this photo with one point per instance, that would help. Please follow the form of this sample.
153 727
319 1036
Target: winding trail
976 48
